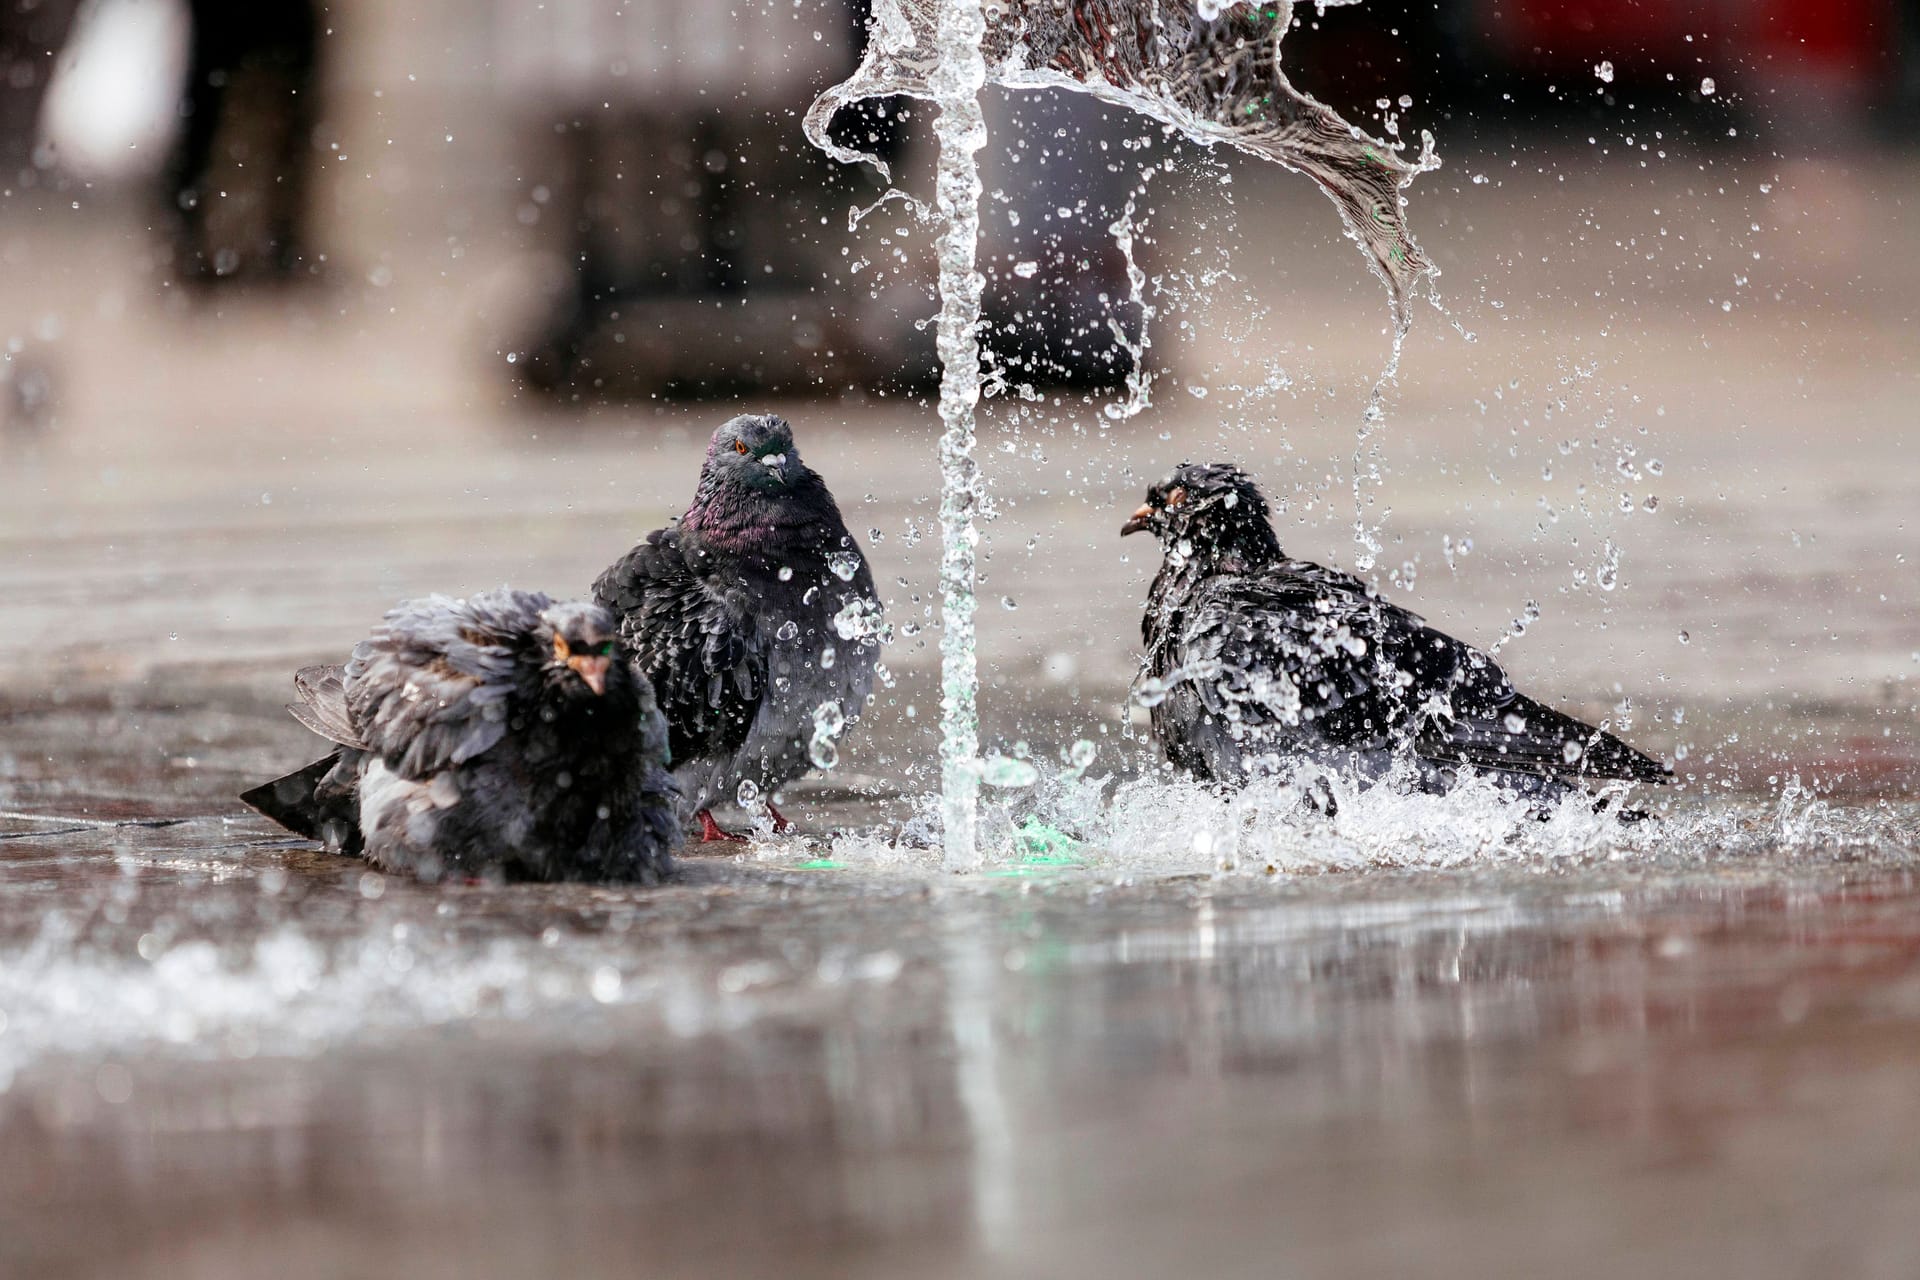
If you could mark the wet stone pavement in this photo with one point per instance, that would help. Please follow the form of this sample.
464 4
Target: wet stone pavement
1690 1050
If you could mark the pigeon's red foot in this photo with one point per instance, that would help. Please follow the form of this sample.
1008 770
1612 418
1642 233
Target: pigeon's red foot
712 832
780 824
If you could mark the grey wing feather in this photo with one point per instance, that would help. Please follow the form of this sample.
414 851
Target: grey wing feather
433 686
323 705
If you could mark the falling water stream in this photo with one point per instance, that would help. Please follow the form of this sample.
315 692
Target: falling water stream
1209 68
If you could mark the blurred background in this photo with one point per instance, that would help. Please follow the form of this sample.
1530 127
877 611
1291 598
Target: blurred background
306 307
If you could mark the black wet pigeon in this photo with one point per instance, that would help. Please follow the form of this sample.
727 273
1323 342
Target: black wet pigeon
755 617
505 734
1255 661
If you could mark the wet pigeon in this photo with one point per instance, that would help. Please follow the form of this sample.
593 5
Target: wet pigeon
502 735
1255 661
755 617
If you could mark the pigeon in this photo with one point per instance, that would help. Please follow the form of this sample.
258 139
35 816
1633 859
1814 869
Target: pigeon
504 736
754 615
1256 662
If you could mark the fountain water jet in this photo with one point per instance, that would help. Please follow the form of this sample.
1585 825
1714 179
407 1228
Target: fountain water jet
957 81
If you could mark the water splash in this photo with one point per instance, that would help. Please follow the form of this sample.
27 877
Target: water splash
1155 826
1139 378
1211 70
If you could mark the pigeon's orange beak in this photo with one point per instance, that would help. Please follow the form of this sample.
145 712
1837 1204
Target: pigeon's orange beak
592 668
1139 520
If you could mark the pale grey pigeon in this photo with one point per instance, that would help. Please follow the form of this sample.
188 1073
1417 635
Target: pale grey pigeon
504 735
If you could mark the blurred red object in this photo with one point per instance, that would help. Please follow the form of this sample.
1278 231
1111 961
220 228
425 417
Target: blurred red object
1555 35
1848 41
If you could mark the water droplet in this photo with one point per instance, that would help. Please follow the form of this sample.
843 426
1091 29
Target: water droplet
1605 71
1149 693
829 722
1607 575
786 573
1707 86
1006 771
788 630
860 620
1685 638
747 794
606 984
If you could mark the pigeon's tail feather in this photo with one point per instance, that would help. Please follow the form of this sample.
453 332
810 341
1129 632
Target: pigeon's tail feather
311 802
1523 736
1608 757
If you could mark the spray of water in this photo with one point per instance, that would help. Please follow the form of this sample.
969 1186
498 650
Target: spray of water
1209 68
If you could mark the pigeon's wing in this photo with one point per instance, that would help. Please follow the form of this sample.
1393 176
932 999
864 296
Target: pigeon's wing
436 683
1284 650
323 705
697 643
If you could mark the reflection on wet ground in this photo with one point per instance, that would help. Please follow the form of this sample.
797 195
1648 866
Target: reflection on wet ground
228 1055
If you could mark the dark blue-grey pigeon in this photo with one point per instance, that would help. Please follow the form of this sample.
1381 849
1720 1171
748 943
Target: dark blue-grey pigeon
501 736
754 615
1256 662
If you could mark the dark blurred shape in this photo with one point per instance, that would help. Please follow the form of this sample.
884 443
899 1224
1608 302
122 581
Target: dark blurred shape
700 233
1057 286
249 112
1904 93
705 242
31 34
26 397
1516 61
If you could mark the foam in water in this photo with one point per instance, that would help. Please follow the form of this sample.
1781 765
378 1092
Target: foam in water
1073 821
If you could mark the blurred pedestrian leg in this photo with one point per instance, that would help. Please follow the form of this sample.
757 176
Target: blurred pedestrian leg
31 34
241 172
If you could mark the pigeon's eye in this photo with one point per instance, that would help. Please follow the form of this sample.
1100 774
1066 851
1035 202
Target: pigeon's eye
1175 497
561 651
605 649
740 446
